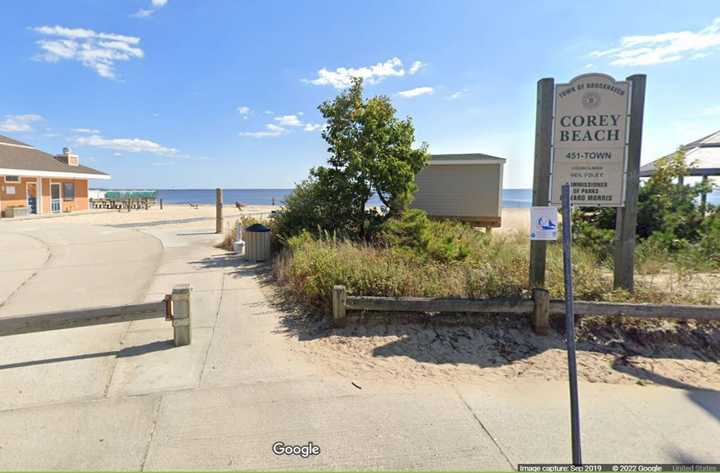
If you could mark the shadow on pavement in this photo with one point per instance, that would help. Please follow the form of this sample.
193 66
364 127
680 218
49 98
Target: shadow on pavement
155 223
124 353
241 267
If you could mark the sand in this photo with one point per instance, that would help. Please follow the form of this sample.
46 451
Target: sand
172 213
503 348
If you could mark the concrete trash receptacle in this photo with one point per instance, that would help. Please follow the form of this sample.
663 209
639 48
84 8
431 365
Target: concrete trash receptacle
257 243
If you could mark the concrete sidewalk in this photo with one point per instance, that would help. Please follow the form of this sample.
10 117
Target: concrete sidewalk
121 397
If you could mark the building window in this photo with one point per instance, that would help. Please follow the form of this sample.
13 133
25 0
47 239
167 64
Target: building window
68 191
12 178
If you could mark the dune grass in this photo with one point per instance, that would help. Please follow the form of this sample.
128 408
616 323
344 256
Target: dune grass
471 265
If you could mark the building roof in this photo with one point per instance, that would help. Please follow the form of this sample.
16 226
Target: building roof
702 157
20 159
471 158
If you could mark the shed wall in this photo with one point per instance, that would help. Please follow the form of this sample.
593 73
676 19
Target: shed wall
471 191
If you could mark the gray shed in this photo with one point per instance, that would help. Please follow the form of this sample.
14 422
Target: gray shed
466 187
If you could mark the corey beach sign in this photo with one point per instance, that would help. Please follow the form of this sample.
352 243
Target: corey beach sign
589 140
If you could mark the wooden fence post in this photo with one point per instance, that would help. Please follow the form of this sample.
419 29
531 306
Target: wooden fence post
541 312
339 300
541 173
626 219
218 210
181 315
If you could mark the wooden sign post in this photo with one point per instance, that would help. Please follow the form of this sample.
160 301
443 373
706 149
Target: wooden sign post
541 173
626 219
218 210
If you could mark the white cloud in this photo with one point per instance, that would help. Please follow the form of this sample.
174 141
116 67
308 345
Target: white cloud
458 94
97 51
312 127
130 145
288 120
284 125
143 13
155 6
19 123
664 47
416 66
244 111
417 91
91 131
269 131
342 76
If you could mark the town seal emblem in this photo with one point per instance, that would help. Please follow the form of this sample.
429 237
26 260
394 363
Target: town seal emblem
590 100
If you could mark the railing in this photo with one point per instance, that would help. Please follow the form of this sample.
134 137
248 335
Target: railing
174 308
540 307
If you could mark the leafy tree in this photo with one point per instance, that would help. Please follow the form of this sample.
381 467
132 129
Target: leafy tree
669 211
371 152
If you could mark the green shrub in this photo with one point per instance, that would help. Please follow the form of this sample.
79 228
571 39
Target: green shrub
593 238
438 240
673 231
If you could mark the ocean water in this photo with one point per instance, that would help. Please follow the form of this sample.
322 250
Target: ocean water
512 198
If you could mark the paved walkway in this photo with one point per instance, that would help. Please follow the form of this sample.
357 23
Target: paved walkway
121 397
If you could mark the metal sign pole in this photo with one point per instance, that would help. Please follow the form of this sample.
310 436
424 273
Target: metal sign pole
570 326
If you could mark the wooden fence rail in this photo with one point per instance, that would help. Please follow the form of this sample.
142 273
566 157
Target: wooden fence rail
540 307
174 308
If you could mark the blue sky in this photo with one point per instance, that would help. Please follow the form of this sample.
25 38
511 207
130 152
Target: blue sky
199 94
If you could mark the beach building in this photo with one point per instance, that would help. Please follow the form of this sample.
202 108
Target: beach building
35 182
466 187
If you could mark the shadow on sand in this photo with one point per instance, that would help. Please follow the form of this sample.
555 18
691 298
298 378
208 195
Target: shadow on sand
493 341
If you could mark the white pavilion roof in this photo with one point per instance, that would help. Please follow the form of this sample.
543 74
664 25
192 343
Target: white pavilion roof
702 155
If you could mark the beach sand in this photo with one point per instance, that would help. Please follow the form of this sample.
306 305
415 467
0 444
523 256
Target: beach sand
513 220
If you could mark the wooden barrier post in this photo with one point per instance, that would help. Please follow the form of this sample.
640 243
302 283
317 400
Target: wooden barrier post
626 219
541 311
181 315
339 300
218 210
161 207
541 173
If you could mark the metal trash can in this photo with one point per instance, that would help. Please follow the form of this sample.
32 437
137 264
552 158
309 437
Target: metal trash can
257 239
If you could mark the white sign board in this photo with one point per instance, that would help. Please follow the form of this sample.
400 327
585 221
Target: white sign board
589 141
10 190
543 223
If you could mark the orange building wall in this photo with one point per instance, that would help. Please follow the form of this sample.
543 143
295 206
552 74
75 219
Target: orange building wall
19 199
80 202
45 195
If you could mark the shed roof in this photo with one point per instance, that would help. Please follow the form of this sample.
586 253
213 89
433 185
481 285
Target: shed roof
702 157
469 158
21 159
